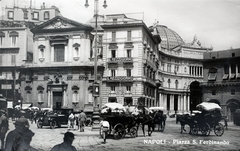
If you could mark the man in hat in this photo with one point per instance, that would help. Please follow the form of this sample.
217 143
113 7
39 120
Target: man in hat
66 145
81 120
20 137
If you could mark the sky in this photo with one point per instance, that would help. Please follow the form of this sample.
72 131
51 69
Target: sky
216 23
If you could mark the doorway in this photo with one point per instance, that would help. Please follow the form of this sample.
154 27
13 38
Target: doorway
57 100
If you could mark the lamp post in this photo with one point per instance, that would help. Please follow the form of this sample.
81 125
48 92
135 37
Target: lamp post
96 84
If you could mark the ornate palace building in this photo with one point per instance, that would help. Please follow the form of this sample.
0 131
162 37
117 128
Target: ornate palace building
61 74
180 71
221 80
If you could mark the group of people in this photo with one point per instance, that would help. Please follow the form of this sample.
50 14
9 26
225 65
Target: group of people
80 120
20 138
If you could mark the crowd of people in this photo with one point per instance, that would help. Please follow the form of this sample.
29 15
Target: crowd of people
20 138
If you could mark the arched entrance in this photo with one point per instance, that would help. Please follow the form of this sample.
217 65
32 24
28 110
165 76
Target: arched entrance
232 105
195 95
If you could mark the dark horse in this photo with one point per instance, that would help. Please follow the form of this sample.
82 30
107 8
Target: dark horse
4 125
143 118
185 119
159 119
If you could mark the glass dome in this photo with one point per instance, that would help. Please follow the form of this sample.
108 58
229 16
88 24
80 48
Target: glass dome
170 39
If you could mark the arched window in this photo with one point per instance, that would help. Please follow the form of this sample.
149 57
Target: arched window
176 84
169 83
75 96
40 96
13 36
28 96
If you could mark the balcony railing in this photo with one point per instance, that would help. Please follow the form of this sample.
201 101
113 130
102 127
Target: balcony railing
119 79
120 59
224 82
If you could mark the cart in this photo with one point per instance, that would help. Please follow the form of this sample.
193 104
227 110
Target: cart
120 123
209 119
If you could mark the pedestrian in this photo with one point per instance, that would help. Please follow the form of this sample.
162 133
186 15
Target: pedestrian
81 120
66 145
20 138
71 119
4 127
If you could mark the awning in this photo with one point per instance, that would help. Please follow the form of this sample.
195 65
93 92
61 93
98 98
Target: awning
25 106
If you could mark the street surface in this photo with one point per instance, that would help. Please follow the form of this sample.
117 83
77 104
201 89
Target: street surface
171 139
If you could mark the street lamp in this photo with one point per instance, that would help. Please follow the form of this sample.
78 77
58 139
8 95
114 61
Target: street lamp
96 84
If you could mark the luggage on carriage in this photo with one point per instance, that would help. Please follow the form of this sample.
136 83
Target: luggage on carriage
120 123
159 117
208 119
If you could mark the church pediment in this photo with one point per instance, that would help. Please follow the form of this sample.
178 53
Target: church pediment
60 23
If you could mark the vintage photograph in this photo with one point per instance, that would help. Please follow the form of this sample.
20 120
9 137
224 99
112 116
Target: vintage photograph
120 75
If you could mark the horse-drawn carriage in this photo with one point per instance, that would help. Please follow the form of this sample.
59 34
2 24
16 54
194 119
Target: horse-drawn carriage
209 119
159 118
120 123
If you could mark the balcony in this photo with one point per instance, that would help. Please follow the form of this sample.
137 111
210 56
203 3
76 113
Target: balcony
119 79
120 60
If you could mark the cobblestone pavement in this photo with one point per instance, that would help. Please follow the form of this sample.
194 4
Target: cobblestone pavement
170 139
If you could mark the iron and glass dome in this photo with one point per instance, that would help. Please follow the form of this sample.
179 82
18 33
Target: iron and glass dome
170 39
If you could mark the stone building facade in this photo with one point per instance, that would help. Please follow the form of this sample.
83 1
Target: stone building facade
221 80
61 74
130 56
16 45
180 71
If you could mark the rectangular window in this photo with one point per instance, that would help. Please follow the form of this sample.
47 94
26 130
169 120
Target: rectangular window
59 53
100 40
113 73
115 21
233 92
113 36
14 41
13 59
10 14
25 15
1 41
212 76
213 92
128 72
129 35
129 52
113 53
112 88
46 15
1 59
128 88
35 16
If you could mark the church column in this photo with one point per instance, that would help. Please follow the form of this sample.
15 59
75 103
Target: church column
184 102
49 99
188 103
171 103
160 99
179 103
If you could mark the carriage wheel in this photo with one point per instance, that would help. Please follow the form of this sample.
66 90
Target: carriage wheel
206 129
195 129
133 132
119 131
219 129
39 124
53 124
